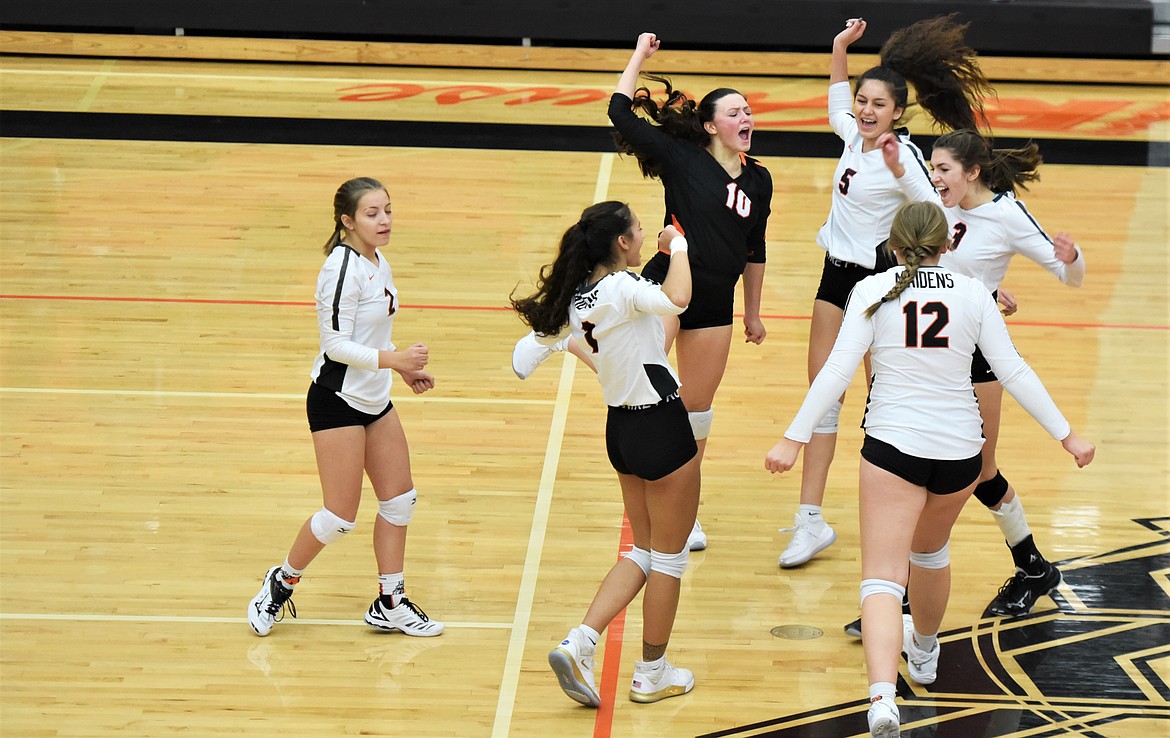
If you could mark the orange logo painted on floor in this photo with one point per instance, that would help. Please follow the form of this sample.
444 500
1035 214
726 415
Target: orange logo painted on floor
1084 115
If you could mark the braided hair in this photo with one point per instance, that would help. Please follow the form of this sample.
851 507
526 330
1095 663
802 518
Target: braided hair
345 202
678 115
934 57
919 232
587 244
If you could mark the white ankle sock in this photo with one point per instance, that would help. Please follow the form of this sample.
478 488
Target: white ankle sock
653 665
926 643
590 633
885 690
392 586
289 576
810 513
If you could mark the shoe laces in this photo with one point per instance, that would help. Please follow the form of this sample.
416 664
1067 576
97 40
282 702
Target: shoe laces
418 611
1015 586
280 602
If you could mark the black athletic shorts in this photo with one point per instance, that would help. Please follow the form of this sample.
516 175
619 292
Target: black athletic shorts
650 442
712 295
327 410
939 477
839 277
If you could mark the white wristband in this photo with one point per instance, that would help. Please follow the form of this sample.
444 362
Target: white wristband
678 245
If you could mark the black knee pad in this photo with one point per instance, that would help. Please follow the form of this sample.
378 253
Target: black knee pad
991 492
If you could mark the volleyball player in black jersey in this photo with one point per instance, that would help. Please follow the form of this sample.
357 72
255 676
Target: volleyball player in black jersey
720 199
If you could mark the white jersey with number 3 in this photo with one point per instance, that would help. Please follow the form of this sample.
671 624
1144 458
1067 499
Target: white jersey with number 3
922 401
986 238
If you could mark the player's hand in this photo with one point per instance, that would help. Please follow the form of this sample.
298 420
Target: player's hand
648 43
783 455
419 381
668 234
753 330
891 153
854 28
413 358
1008 300
1082 450
1064 248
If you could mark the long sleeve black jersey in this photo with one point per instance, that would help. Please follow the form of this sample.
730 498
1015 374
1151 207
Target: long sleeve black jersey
724 219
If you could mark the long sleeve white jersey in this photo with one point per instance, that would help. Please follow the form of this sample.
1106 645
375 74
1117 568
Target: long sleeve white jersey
866 194
922 401
356 302
617 319
986 238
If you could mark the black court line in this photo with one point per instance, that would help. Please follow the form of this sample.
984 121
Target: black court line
522 137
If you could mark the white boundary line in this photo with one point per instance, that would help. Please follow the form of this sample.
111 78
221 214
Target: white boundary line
255 395
510 679
96 618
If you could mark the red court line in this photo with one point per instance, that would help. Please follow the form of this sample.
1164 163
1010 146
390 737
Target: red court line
495 308
607 690
202 301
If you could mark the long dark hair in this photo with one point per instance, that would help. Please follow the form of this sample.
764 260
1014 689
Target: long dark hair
345 202
678 115
919 232
585 245
1000 170
933 56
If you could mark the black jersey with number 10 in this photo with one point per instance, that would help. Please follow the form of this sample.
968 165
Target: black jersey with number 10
723 218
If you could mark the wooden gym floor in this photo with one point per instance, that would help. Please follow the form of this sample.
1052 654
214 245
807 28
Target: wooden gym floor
161 229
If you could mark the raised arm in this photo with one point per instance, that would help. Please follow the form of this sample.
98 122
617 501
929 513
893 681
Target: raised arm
647 44
839 62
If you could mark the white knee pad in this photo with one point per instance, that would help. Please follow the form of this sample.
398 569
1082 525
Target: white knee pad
672 565
829 423
881 586
701 423
398 510
939 559
639 556
327 527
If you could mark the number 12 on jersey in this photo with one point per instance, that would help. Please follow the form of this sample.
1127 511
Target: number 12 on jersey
930 337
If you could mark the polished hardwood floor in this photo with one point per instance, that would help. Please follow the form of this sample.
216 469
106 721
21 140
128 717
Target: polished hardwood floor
157 333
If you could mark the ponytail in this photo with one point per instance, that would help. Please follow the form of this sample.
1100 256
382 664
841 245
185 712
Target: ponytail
933 56
1000 170
585 245
345 202
678 116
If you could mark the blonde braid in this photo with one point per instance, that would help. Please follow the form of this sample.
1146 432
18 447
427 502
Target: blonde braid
913 257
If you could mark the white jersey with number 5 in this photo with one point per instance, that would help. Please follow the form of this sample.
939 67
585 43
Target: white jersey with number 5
922 401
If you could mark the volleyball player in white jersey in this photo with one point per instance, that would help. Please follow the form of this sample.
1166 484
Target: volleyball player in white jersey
717 196
989 226
880 169
921 455
588 292
352 420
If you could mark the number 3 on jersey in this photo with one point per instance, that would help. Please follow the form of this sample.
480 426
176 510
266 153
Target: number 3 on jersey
738 201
